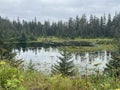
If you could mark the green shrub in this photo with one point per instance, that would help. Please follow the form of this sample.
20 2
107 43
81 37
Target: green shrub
10 77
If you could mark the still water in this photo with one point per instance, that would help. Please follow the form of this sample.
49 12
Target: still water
44 58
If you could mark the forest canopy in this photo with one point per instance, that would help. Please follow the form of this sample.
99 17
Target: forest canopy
104 26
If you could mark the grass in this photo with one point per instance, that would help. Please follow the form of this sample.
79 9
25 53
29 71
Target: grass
56 39
99 43
90 49
12 78
37 81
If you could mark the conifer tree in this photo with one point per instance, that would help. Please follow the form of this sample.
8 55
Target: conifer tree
65 66
113 67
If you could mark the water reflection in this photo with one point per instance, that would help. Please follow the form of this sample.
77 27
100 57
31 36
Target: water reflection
90 59
43 58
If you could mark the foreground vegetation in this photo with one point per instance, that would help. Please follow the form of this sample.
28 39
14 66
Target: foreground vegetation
12 78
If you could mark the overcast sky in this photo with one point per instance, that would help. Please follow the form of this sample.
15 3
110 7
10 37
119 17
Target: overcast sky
54 10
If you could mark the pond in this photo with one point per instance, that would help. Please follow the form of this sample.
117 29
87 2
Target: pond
44 58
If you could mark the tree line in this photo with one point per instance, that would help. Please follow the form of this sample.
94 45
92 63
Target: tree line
104 26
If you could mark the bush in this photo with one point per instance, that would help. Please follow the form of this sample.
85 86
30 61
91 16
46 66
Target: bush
10 77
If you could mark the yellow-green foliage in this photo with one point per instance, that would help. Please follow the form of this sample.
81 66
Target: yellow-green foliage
56 39
90 49
39 81
59 82
100 43
10 78
15 79
33 79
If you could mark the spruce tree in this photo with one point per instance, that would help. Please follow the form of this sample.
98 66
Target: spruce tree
65 66
113 67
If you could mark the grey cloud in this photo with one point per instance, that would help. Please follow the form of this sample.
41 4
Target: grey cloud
55 10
